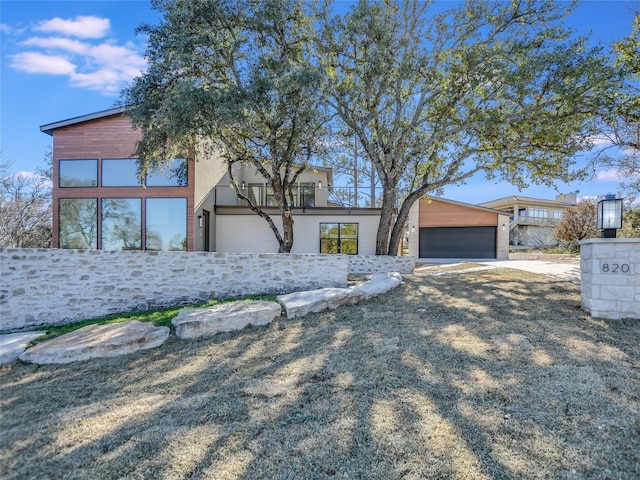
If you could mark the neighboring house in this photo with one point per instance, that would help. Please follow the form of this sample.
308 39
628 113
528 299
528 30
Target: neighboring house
440 228
99 201
532 221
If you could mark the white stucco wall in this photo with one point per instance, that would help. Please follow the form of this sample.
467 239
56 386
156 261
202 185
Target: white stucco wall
250 233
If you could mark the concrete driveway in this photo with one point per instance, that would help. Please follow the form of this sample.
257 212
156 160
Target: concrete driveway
562 271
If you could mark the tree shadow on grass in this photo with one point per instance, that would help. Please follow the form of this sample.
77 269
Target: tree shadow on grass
487 375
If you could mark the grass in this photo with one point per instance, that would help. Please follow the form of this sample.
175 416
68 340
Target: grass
493 374
160 317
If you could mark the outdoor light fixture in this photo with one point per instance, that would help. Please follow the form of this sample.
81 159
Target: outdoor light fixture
319 185
503 228
242 186
609 215
200 220
413 229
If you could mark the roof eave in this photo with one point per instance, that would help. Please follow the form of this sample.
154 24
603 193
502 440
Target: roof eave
50 127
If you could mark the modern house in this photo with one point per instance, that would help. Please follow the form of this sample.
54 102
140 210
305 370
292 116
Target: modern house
532 221
440 228
99 201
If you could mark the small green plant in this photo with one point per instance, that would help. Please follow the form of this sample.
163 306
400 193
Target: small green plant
160 317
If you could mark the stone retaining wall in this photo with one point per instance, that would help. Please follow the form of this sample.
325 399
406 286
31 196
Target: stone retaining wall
610 276
370 264
50 286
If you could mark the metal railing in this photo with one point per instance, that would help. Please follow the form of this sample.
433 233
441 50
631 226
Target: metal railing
303 196
538 221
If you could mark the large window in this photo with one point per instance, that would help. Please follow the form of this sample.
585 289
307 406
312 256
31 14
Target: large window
78 173
166 224
339 238
538 212
78 223
121 224
120 172
174 175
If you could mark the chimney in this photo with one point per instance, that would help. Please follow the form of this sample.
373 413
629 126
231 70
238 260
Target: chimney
568 198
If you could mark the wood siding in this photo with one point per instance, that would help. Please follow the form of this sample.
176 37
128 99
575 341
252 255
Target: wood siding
447 214
110 137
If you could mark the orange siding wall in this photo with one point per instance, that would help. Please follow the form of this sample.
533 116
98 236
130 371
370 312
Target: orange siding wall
110 137
445 214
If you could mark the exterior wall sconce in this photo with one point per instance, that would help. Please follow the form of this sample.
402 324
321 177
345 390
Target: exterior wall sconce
242 186
200 221
319 185
413 229
609 216
503 227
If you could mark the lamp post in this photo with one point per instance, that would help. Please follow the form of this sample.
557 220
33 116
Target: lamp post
609 215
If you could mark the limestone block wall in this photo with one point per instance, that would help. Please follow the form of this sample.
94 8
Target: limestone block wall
610 274
50 286
370 264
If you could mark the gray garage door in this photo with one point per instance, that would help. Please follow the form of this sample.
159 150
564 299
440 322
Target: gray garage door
458 242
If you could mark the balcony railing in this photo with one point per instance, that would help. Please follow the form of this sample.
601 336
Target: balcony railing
303 196
538 221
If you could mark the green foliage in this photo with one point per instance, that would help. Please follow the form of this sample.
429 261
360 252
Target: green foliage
630 223
502 88
238 74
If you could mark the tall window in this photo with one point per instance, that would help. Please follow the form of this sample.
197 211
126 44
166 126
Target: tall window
120 172
78 223
557 214
121 224
339 238
166 224
308 194
175 175
78 173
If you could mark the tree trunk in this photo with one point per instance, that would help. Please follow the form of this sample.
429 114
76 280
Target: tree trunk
287 232
386 221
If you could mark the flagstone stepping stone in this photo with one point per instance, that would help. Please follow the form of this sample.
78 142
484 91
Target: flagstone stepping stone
228 317
97 341
379 283
13 345
298 304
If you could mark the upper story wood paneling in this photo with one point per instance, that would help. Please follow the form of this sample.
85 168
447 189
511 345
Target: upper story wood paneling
109 137
437 213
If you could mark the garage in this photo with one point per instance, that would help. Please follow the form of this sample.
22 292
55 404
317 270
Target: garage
440 228
458 242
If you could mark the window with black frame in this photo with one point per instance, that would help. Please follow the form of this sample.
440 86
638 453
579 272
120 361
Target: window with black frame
78 173
339 238
308 194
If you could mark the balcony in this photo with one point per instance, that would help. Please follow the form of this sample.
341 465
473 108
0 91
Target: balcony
304 195
538 221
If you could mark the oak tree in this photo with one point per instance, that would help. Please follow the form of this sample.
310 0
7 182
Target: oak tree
233 75
502 88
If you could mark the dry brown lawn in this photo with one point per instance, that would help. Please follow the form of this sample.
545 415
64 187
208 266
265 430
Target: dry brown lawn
495 374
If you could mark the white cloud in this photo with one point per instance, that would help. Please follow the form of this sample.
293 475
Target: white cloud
601 140
35 62
57 43
92 63
81 26
611 175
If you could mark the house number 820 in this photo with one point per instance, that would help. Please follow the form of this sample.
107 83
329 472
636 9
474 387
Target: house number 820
615 267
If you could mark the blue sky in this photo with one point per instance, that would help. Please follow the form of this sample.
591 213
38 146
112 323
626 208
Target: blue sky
61 59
